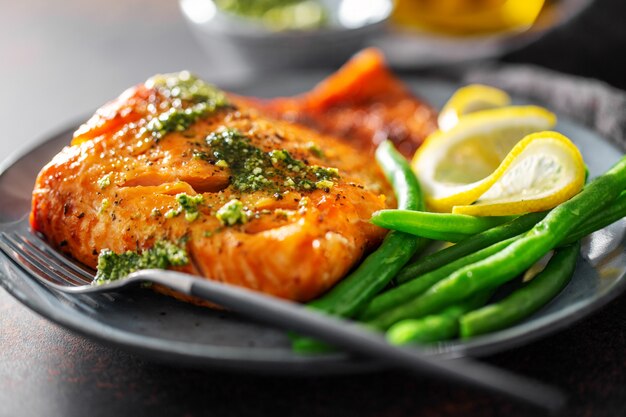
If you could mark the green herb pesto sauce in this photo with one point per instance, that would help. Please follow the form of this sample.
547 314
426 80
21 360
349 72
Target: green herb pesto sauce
187 204
104 206
191 99
104 181
233 213
253 169
162 255
279 14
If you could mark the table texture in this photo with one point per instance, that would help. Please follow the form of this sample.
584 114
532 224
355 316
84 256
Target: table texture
46 370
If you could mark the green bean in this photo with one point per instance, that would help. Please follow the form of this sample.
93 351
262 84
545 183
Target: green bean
526 300
429 329
606 217
390 302
438 226
521 254
385 303
436 327
469 245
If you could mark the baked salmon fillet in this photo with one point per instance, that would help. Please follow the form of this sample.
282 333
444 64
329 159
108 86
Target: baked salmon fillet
177 174
362 103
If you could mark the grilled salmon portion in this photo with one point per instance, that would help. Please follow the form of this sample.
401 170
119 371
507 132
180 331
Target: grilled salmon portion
253 200
363 103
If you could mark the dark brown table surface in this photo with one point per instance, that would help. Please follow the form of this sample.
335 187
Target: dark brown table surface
46 370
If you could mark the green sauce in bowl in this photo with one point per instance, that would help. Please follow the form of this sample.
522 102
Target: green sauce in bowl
279 15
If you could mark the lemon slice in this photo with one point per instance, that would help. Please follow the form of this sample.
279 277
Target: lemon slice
470 99
463 17
458 166
543 170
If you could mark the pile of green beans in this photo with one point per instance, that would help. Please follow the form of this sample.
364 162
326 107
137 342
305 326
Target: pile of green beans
389 300
446 294
513 260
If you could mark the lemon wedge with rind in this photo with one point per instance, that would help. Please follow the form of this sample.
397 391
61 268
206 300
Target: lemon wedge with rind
458 166
543 170
470 99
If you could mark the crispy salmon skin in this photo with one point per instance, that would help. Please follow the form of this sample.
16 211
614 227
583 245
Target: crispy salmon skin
254 201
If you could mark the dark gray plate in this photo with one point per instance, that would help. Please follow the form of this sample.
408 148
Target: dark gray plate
180 333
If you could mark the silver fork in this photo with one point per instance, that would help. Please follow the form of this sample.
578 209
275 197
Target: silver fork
33 255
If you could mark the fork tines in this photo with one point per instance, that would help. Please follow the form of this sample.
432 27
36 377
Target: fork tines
30 252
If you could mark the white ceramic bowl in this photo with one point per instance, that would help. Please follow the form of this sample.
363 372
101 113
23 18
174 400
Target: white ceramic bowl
238 47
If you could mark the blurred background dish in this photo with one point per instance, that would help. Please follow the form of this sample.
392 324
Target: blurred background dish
427 33
245 37
462 17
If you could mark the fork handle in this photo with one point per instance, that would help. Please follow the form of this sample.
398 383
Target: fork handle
357 339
